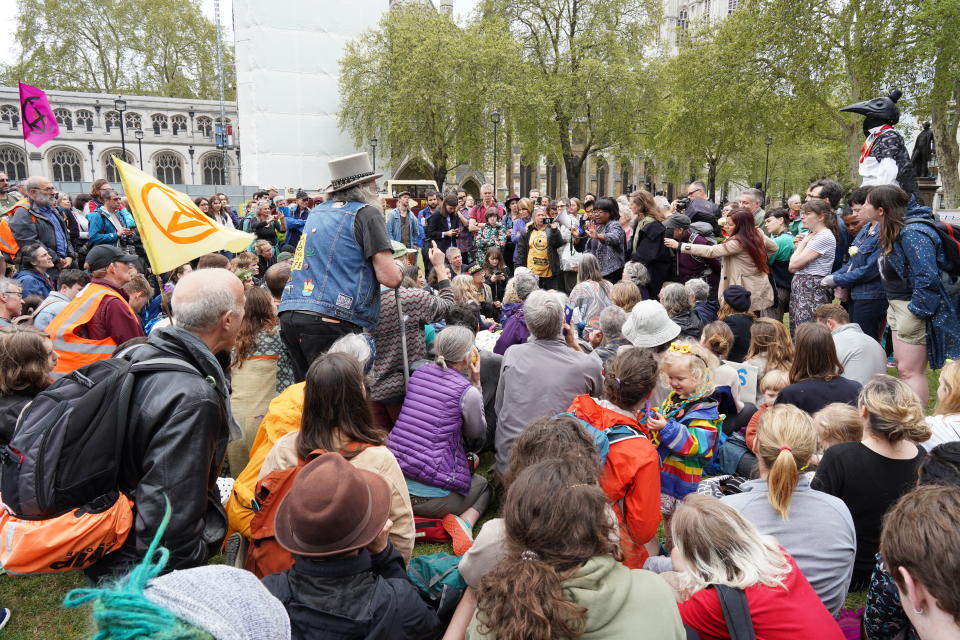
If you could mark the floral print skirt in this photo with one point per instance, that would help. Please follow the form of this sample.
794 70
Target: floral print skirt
806 295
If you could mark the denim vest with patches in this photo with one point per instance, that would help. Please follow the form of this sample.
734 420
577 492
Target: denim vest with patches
330 274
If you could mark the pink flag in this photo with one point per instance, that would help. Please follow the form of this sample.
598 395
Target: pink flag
36 116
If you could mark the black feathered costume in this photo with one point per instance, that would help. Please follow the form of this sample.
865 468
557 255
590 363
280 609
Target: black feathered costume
883 157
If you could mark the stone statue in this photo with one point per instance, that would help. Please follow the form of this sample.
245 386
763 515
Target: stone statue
923 150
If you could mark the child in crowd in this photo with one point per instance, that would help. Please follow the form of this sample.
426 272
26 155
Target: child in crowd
561 576
771 384
347 579
631 472
718 339
718 549
837 422
770 346
687 423
945 422
735 311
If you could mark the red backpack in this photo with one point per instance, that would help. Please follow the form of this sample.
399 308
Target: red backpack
265 555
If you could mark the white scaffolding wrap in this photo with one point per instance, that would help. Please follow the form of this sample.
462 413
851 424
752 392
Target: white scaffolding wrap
288 54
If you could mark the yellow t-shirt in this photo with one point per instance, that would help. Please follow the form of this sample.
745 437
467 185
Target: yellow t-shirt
537 259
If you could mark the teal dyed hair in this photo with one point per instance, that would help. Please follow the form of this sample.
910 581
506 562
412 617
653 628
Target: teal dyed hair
122 612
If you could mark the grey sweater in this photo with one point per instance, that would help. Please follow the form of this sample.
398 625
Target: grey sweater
819 534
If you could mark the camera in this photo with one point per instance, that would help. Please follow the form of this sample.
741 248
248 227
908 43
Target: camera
682 204
548 220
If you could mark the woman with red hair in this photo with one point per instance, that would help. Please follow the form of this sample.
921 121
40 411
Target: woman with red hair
743 257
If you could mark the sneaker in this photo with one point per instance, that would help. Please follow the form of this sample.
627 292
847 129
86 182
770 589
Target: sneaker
460 531
4 617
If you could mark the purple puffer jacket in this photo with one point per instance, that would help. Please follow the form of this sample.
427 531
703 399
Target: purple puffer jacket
427 439
514 327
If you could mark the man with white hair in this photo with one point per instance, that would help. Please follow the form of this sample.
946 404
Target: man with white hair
611 326
540 377
752 201
344 256
479 211
179 428
34 220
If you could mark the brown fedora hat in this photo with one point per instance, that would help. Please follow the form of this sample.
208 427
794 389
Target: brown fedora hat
332 508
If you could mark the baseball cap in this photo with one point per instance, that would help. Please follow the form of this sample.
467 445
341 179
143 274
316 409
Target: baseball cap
103 255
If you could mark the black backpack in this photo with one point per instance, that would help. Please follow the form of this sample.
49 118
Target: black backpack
66 447
949 239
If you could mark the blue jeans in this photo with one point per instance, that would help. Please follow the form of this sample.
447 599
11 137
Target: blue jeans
871 315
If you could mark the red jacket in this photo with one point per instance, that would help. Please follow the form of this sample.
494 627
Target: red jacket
631 479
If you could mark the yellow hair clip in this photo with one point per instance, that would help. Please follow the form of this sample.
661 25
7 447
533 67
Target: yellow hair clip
679 348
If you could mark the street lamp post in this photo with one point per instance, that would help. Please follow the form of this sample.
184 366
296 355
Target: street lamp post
93 170
121 105
766 169
193 177
138 134
373 143
495 119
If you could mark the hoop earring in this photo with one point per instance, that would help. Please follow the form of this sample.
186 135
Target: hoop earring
919 612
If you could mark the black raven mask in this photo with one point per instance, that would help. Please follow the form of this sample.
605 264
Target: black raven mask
878 111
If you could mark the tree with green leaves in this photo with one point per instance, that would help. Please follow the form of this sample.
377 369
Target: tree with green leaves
936 60
164 47
582 84
835 53
421 84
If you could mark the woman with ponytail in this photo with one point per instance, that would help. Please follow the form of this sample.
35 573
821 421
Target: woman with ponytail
814 527
631 473
443 408
561 577
870 475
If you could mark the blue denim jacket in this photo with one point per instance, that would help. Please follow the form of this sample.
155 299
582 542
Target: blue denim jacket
916 257
330 274
861 274
394 227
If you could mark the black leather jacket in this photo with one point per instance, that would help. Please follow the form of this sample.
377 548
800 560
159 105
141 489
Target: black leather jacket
174 447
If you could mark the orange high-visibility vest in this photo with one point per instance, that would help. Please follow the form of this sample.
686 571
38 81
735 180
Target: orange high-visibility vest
8 243
74 350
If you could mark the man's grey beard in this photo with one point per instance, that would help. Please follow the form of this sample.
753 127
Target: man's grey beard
358 193
43 200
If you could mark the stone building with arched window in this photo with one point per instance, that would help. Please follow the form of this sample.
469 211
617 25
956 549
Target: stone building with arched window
178 143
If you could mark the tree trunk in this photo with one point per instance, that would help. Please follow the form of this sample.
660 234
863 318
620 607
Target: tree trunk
948 153
440 174
712 178
508 159
573 163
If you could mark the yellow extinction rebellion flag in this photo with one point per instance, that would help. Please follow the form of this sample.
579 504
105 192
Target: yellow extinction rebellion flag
174 231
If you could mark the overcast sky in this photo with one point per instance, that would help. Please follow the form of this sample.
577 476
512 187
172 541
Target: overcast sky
461 8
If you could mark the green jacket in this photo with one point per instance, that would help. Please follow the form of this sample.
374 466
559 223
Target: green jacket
621 603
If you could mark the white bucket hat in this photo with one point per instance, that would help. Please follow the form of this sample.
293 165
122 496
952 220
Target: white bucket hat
648 325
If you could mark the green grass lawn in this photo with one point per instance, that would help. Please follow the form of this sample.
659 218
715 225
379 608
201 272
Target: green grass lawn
38 613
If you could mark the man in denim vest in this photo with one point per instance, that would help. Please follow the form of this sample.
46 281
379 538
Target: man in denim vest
343 257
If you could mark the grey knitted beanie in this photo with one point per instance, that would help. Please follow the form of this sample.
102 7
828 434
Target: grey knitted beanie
226 602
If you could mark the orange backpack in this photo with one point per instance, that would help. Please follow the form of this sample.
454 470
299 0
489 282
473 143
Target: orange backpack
265 555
